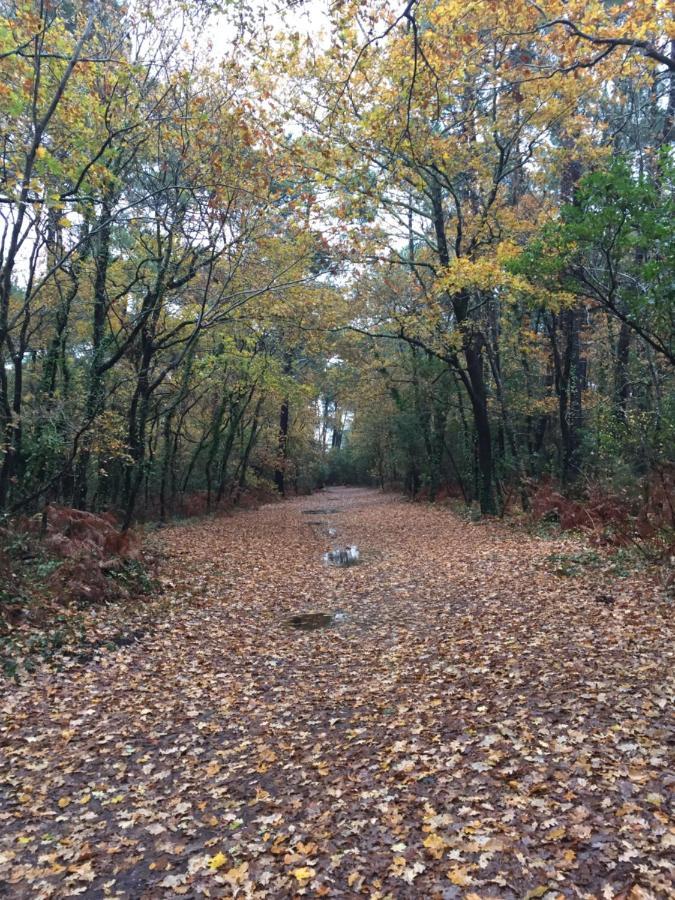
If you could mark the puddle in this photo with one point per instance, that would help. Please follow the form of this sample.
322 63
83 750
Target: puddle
342 556
314 620
311 621
323 525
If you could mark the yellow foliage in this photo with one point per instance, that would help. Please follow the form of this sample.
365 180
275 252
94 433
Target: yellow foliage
304 874
217 861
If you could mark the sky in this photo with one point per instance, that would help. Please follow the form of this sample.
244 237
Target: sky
306 17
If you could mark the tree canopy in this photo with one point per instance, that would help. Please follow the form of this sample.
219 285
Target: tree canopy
424 244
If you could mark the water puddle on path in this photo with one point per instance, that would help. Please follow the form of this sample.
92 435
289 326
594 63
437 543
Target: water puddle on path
311 621
342 557
323 525
315 620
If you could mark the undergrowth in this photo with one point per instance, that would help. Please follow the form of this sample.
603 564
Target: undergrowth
58 596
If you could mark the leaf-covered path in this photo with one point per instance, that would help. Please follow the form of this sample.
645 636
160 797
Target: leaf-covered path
476 726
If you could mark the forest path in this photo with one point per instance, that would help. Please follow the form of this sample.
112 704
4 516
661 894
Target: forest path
476 727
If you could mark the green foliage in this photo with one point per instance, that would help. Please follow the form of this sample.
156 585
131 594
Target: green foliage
615 246
573 564
182 332
620 563
27 651
351 464
134 576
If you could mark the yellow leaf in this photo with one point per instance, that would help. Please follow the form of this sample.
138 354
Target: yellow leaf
237 874
537 892
397 865
64 801
460 876
217 861
303 874
435 844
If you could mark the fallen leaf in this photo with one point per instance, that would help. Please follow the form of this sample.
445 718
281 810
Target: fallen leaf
435 845
217 861
304 874
460 876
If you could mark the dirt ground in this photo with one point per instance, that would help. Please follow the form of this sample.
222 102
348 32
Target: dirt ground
472 722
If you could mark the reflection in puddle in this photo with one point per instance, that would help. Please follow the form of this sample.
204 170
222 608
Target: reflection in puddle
342 556
311 621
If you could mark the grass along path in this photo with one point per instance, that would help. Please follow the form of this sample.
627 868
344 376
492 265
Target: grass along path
475 725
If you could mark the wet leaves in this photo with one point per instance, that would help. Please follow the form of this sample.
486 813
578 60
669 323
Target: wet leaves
477 726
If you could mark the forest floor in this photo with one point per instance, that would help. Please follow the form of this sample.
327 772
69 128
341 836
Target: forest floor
489 716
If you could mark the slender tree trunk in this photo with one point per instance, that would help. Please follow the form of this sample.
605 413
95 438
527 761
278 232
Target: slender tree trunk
472 348
621 382
167 456
235 418
250 444
137 423
574 385
282 448
475 371
95 388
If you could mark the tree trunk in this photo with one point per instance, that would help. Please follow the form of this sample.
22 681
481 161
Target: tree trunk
474 365
574 384
279 471
621 382
95 387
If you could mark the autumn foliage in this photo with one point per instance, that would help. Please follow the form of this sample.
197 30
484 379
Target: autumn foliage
337 434
474 722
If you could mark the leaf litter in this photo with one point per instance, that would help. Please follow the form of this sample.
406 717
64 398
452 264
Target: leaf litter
477 727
